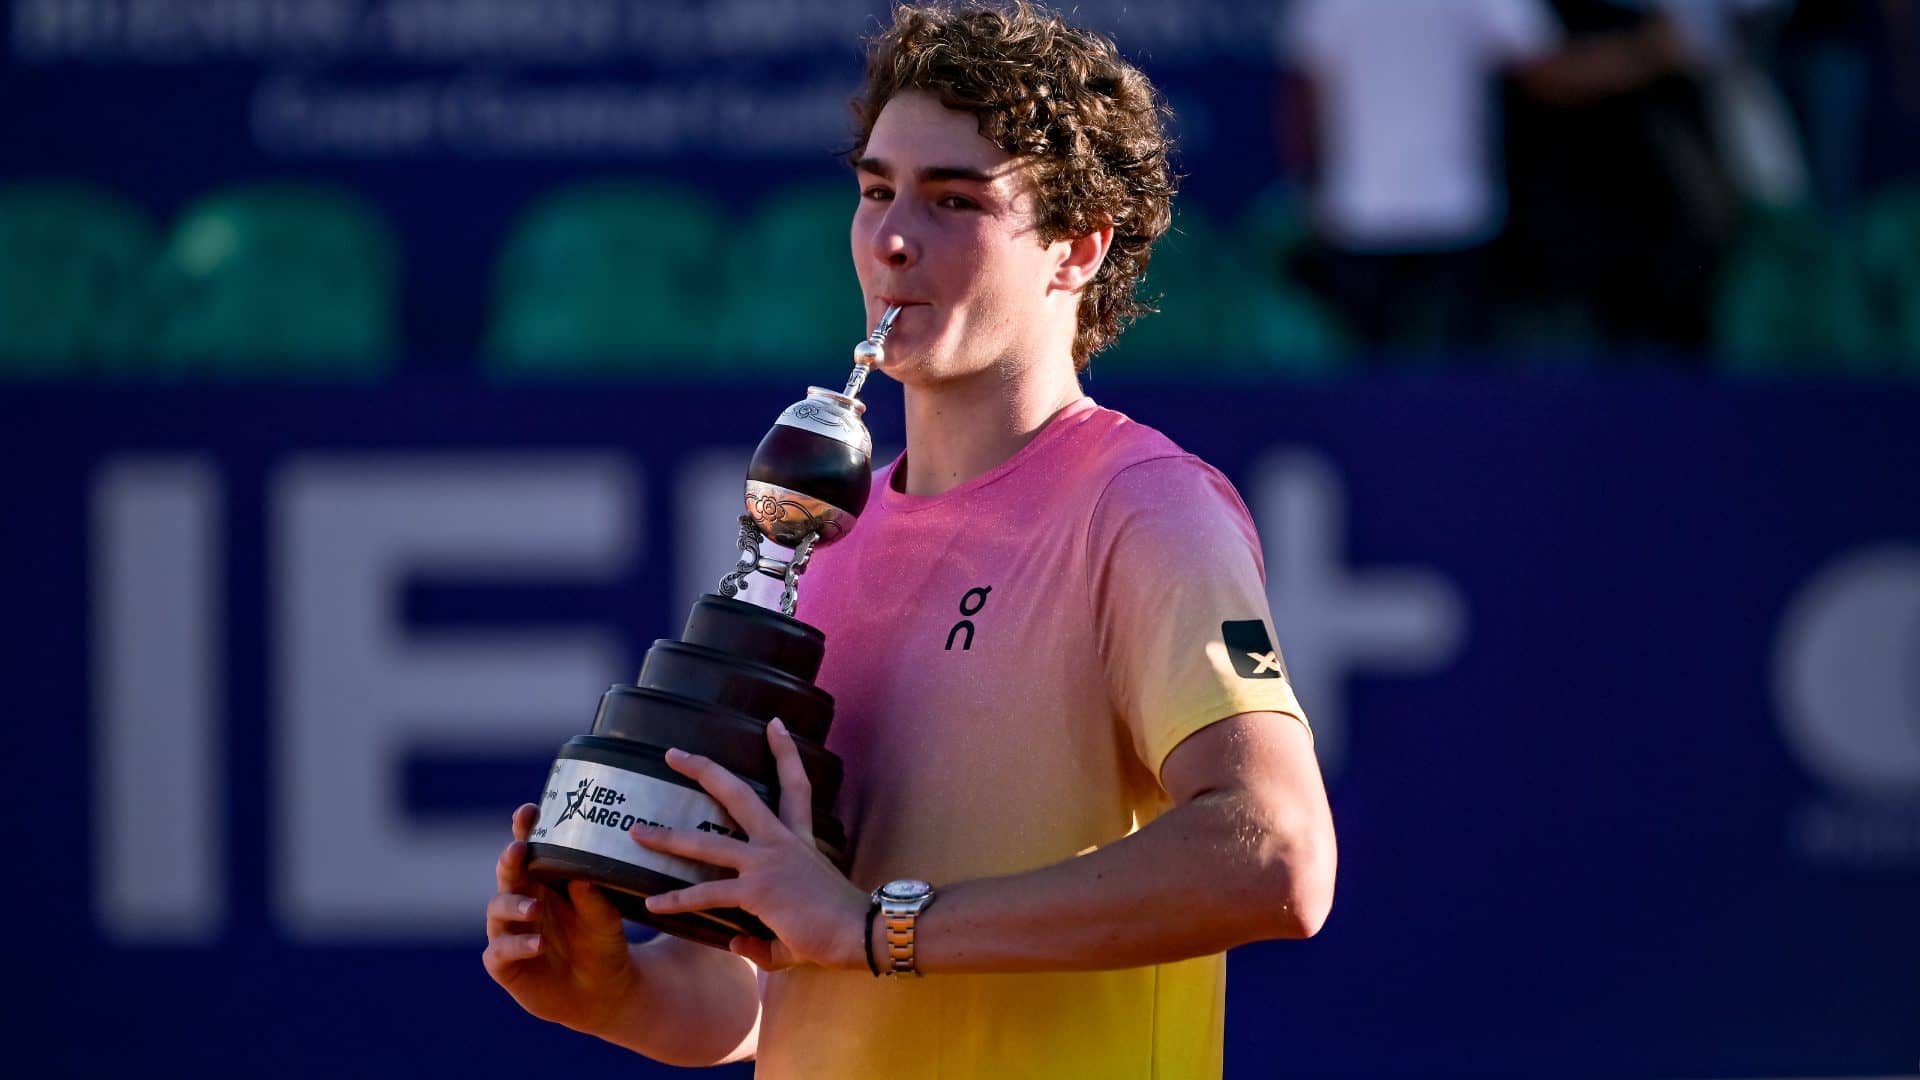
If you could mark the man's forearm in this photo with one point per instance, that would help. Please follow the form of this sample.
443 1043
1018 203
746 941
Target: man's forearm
1207 875
689 1005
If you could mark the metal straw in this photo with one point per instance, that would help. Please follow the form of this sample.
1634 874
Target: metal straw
871 353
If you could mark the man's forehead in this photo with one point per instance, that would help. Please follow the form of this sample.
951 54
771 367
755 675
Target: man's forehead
906 169
915 132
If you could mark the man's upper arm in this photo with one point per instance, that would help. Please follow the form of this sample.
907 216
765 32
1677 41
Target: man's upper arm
1263 763
1268 754
1180 606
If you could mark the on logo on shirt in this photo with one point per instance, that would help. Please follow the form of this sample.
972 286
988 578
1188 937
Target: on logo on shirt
972 603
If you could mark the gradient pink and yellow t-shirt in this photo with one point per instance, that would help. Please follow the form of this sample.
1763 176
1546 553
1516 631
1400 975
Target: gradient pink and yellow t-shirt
1011 663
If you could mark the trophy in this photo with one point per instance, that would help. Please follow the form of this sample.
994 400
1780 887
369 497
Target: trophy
735 667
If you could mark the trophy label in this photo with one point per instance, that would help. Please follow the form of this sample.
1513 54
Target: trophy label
589 807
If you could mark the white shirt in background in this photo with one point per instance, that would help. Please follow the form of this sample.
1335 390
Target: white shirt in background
1406 96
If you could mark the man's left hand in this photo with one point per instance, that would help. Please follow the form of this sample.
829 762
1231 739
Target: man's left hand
782 878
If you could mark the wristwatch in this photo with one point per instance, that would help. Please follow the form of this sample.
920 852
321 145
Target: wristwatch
899 904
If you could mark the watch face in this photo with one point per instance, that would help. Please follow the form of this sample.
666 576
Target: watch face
905 890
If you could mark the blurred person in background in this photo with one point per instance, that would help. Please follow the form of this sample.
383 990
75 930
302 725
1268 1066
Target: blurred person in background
1827 55
1408 194
1903 44
1824 63
1625 204
1110 783
1730 48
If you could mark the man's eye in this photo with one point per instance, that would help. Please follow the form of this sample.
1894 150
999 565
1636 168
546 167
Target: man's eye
959 202
876 193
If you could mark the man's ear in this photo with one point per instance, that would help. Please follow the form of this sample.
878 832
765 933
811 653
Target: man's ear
1081 258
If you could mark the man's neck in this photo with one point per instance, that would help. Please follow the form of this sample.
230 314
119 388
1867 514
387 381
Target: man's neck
961 429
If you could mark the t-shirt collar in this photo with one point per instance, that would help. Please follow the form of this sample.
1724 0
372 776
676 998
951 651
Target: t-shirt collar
1063 421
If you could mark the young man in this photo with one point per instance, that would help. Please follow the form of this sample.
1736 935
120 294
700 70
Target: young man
1058 697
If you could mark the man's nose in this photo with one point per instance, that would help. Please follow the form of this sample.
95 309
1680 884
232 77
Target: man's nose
892 242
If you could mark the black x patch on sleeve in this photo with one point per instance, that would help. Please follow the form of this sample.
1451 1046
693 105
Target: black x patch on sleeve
1253 654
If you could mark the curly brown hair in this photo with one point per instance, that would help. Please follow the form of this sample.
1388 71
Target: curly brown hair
1061 96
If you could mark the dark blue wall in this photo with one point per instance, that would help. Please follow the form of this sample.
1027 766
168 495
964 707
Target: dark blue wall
1627 776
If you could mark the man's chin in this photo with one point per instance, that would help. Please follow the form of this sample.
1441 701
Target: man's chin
906 353
909 367
903 372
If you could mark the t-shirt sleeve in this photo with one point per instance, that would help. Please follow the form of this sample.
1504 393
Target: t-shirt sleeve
1519 31
1180 605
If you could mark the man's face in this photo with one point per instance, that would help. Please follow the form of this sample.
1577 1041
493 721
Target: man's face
946 226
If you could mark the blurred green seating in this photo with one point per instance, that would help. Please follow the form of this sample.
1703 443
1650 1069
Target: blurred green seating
792 297
613 277
1223 312
69 253
1275 227
1890 247
1792 299
265 280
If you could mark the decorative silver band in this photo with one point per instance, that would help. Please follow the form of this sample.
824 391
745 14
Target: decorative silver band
832 414
786 516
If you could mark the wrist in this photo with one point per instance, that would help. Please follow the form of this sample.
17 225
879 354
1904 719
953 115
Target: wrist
617 1002
896 923
861 952
873 934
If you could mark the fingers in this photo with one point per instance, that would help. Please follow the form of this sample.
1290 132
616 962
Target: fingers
509 949
731 792
510 917
597 913
707 894
710 848
796 791
504 908
509 872
509 910
520 900
757 951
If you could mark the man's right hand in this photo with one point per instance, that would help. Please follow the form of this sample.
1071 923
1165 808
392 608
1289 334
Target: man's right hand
564 958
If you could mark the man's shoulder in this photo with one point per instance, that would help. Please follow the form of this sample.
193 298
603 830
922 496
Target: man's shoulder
1114 442
1136 466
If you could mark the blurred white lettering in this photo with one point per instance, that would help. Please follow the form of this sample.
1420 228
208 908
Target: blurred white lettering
1331 621
159 825
1848 696
182 31
356 690
566 33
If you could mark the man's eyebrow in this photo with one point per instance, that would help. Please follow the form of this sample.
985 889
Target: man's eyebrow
884 171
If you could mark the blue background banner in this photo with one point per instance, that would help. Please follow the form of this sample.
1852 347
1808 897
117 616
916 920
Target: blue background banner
1617 685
